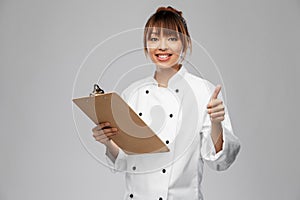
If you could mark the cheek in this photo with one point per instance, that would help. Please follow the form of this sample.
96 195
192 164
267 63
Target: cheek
151 52
151 46
176 48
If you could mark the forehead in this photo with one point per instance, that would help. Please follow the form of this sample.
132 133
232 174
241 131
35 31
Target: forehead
162 31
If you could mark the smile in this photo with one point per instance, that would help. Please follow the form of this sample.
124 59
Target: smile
163 57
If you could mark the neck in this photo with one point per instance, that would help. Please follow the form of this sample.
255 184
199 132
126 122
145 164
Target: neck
162 76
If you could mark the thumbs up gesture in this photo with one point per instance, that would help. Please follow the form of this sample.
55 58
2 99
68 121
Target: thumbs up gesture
215 107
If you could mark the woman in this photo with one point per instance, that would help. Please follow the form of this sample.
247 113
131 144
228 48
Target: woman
195 124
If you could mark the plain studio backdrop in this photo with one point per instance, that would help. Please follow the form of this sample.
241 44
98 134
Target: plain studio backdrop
255 44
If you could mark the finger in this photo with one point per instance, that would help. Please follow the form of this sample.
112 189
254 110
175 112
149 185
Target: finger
101 137
104 136
217 114
216 92
109 130
218 108
103 141
217 119
104 131
214 103
100 126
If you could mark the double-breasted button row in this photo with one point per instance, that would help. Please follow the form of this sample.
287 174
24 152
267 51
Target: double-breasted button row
171 115
176 90
131 196
163 170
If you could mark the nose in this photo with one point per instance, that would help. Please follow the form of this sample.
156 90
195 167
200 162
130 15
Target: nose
162 44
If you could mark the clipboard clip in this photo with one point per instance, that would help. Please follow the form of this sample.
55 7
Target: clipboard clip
97 90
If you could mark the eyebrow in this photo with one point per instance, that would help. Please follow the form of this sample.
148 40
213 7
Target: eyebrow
169 34
154 33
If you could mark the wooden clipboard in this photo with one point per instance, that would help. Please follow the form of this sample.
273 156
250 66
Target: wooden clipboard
134 136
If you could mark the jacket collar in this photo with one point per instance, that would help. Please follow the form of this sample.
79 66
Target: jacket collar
174 80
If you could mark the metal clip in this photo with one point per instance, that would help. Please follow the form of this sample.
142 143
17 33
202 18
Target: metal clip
97 90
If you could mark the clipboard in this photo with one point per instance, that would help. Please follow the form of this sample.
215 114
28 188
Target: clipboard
134 136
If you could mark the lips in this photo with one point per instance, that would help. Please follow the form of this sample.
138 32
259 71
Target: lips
163 57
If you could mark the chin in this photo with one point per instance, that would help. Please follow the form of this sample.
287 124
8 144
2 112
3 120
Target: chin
164 65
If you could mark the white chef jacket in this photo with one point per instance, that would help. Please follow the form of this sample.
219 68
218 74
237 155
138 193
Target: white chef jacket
178 115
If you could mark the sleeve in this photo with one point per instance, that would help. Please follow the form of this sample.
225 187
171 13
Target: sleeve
231 145
119 163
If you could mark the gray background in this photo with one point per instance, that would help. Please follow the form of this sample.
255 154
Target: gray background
42 44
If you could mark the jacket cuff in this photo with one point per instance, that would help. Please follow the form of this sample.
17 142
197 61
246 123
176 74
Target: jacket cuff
223 159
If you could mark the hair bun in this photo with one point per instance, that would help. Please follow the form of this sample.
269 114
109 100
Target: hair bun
169 8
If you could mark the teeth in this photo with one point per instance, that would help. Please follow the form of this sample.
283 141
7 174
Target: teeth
163 56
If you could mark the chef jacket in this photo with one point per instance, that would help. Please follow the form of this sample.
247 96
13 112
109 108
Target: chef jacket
178 115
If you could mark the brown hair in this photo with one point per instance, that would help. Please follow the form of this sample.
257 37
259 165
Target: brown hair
169 19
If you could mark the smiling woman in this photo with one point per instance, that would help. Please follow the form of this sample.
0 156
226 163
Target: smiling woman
169 22
192 119
164 49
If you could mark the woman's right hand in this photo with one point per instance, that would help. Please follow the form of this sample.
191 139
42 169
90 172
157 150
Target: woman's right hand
102 132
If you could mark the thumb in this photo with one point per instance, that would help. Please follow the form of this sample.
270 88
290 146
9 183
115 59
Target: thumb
216 92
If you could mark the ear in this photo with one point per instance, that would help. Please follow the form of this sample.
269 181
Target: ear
181 54
146 52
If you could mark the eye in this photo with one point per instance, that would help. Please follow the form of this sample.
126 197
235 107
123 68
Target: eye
173 39
153 39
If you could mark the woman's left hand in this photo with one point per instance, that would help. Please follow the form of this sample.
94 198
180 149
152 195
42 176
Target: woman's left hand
215 107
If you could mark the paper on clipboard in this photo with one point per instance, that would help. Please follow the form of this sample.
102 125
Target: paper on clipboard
134 136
